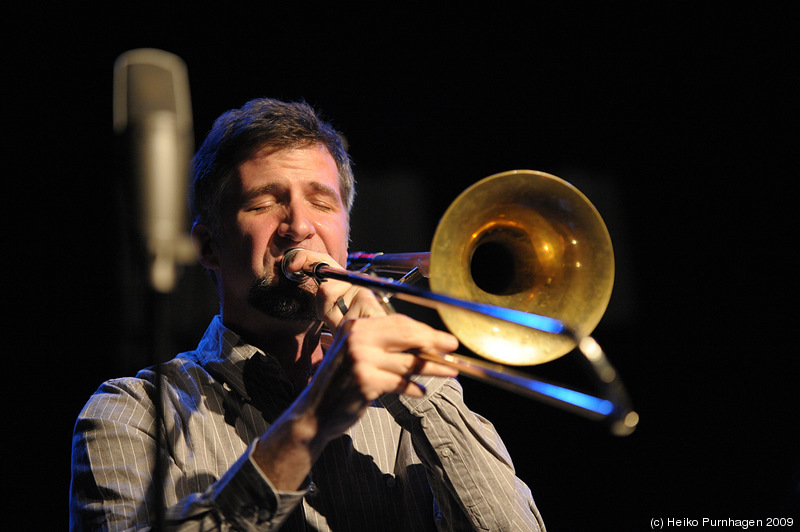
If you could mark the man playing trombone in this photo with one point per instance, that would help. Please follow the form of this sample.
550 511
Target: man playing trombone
273 421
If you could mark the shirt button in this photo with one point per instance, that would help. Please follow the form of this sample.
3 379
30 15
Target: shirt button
390 482
446 452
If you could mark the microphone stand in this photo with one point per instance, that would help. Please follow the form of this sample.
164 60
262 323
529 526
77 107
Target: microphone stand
152 111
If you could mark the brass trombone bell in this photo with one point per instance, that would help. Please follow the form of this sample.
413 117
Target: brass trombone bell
529 241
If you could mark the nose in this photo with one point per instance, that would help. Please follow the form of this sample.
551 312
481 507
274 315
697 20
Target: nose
296 224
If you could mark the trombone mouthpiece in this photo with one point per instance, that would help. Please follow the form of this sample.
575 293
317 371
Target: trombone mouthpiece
287 258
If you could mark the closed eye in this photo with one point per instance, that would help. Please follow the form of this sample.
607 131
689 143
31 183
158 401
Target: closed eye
317 195
323 204
261 206
323 197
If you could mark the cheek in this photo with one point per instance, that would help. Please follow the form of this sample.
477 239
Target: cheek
247 243
334 235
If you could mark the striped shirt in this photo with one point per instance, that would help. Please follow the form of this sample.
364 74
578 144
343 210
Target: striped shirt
408 464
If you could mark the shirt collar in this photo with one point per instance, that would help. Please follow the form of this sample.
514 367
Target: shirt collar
223 354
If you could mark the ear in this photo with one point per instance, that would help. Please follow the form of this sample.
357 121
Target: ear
205 246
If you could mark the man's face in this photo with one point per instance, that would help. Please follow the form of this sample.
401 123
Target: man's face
285 199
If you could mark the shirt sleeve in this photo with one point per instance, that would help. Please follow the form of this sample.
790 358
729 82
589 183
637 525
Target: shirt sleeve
113 465
469 468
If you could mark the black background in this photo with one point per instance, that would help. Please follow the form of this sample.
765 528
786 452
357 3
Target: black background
677 121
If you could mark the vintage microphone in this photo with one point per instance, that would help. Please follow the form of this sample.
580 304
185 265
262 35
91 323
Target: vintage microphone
152 119
153 116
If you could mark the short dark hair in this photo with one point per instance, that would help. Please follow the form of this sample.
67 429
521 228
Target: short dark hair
237 134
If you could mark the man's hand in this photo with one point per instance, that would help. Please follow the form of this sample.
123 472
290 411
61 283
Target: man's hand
372 354
335 298
370 357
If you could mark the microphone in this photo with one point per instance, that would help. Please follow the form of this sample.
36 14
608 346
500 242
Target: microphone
297 277
152 114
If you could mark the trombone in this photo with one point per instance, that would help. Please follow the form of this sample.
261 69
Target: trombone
521 270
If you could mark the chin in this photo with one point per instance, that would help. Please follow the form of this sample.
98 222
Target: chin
283 300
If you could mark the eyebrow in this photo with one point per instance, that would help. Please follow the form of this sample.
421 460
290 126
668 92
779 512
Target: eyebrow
253 193
322 188
271 188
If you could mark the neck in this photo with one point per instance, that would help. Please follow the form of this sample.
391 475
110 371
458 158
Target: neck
296 346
